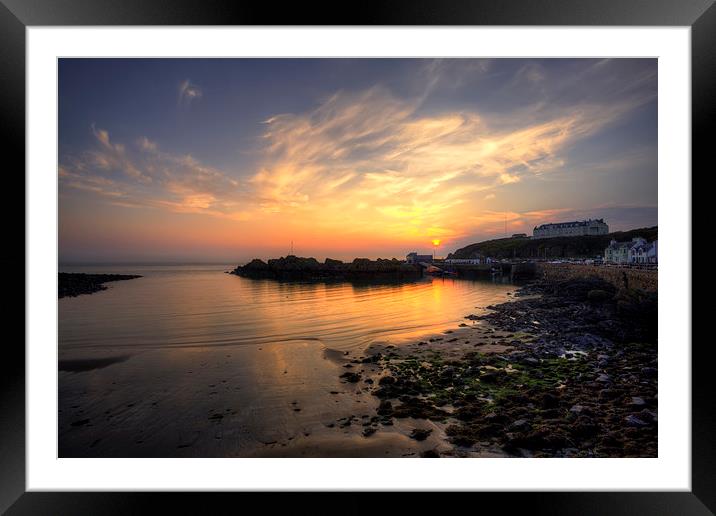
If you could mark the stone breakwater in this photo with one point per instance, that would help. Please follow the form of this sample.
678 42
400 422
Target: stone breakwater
307 269
642 279
71 284
567 370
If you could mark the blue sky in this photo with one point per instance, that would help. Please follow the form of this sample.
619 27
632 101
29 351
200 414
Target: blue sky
226 159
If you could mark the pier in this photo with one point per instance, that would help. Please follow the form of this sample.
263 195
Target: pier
513 270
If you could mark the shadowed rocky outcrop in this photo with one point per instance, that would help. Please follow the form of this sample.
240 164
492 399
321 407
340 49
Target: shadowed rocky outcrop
298 268
72 284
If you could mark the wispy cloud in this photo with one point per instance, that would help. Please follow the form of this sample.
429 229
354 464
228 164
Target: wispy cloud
188 92
367 164
142 175
373 156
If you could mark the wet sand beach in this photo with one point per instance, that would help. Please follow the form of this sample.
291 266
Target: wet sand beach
552 369
142 376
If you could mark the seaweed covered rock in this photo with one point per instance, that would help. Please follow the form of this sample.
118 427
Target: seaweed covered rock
579 381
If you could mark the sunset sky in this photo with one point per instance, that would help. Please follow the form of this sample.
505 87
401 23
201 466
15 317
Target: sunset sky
223 160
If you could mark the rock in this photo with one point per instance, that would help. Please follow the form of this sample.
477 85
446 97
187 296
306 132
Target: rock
588 341
420 434
385 408
584 427
647 416
603 378
256 264
75 284
491 376
372 359
634 421
429 454
550 401
368 431
521 425
448 372
636 401
598 296
577 409
386 380
351 377
552 413
608 394
299 268
650 372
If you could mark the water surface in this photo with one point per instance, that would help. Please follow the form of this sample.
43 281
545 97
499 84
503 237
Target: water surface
190 361
200 306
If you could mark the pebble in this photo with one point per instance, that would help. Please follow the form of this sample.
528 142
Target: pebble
632 420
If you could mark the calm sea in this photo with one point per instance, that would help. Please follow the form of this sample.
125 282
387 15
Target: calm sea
201 306
189 361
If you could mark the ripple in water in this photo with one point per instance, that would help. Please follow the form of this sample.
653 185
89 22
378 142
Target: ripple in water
200 306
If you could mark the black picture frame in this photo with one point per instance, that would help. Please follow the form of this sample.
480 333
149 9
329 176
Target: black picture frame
16 15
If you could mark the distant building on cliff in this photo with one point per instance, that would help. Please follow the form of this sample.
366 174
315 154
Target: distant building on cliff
417 258
576 228
638 251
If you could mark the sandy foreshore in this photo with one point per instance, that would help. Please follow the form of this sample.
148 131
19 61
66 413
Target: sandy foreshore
145 373
564 369
567 370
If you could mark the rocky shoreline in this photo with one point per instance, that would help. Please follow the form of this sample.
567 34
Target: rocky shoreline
71 284
569 369
294 268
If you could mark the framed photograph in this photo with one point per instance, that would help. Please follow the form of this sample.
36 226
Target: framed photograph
292 251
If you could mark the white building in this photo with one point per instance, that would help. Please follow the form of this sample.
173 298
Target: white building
653 253
575 228
637 251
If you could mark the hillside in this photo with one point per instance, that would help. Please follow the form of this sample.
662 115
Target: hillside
557 247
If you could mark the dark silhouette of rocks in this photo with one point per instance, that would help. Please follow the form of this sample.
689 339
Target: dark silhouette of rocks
298 268
71 284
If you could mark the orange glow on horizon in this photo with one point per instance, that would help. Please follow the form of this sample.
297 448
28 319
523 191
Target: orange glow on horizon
360 174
